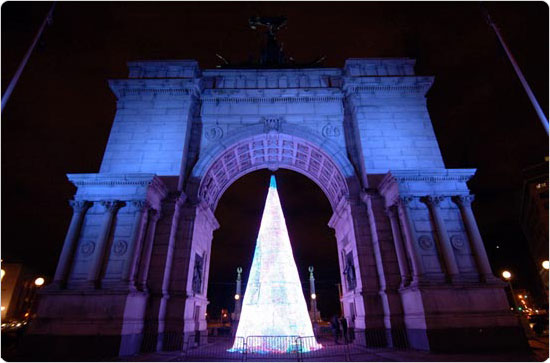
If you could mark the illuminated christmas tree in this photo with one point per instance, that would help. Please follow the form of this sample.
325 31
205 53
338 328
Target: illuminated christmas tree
273 303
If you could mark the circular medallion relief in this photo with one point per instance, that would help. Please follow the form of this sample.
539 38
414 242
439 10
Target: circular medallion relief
87 248
330 131
425 242
457 242
120 247
213 133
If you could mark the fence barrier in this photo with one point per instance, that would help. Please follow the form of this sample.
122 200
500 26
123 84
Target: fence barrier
215 348
270 348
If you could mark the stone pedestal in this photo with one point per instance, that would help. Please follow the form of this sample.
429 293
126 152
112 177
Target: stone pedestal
454 303
87 325
460 318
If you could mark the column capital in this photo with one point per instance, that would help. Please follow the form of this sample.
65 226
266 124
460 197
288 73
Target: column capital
433 200
80 206
367 193
139 205
463 200
111 206
404 200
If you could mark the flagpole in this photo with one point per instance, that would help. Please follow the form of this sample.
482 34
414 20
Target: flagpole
23 63
532 98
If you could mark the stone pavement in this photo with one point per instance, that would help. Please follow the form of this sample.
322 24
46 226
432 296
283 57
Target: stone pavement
539 353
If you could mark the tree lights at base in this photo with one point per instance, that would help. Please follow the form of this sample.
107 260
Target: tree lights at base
273 303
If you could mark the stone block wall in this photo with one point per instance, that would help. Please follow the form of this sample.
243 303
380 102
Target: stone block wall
153 120
388 106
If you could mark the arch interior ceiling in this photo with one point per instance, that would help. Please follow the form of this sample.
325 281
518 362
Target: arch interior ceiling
272 151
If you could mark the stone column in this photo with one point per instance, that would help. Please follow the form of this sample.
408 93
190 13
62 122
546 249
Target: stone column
444 241
410 242
140 208
143 273
111 208
398 243
71 239
464 202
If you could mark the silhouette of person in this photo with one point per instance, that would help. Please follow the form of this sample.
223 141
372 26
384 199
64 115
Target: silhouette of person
335 327
344 324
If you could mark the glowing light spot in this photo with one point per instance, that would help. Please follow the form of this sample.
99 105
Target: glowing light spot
39 281
3 308
314 296
3 273
506 274
273 303
545 264
237 297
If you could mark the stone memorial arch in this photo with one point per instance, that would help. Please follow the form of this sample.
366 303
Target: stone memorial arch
133 272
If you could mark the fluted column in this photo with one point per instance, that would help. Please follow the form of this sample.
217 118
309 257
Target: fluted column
71 239
444 241
406 226
111 208
140 208
464 202
392 214
143 274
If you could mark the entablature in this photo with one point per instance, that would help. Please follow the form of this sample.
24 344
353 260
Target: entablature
387 85
289 95
172 87
186 68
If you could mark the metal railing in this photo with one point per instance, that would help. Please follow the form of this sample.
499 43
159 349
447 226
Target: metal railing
268 348
272 347
215 348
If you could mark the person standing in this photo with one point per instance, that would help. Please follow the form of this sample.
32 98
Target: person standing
344 324
335 327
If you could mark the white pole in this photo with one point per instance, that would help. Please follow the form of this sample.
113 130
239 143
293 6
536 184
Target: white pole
23 63
536 105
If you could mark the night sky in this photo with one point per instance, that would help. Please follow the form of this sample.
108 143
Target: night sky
60 114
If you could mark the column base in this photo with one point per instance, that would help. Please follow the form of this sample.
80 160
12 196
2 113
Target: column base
397 338
375 337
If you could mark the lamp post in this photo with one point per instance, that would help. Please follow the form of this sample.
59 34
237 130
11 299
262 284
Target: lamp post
238 302
508 277
313 298
523 321
544 276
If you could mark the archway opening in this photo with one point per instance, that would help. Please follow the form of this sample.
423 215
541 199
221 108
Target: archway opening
307 211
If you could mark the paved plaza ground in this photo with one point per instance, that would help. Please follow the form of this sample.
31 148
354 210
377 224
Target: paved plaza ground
354 353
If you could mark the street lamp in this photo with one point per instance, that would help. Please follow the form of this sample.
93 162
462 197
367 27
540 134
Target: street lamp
237 296
508 277
545 264
39 281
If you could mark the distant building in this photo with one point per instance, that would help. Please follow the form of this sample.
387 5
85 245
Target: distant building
18 291
534 215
